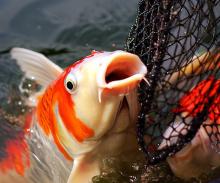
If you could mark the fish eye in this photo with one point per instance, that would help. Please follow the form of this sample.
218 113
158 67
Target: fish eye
70 83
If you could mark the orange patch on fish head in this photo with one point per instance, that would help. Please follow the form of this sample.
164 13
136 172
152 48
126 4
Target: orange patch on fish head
104 83
59 94
89 98
66 86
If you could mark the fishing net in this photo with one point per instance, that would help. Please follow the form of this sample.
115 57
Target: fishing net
178 40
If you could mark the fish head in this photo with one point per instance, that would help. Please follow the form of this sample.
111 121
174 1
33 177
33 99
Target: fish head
92 95
104 84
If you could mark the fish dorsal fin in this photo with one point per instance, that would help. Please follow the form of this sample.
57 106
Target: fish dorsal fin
36 66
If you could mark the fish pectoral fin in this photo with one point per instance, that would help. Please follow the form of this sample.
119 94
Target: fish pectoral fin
36 66
84 168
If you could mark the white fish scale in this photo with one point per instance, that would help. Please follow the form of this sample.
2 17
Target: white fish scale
46 160
47 163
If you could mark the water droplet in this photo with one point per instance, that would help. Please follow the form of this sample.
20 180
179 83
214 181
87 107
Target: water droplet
32 78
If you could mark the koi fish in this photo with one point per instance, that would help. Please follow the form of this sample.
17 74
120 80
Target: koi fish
200 155
89 109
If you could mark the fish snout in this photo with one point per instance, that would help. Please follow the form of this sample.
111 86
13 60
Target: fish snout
121 73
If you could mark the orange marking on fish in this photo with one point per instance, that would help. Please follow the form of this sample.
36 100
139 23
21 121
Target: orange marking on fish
214 111
47 120
17 152
44 112
57 94
17 156
28 121
66 110
56 139
194 101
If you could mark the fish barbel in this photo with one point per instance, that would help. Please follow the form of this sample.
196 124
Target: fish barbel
89 109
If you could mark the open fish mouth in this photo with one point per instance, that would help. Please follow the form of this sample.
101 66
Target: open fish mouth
120 74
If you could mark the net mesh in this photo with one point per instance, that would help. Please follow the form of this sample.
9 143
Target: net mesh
178 40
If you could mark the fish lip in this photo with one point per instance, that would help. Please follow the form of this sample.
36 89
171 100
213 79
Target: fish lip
120 70
120 74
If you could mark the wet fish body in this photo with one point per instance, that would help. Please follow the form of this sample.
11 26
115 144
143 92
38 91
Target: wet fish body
85 112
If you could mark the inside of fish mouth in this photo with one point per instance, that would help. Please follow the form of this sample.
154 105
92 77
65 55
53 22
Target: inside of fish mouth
116 75
120 69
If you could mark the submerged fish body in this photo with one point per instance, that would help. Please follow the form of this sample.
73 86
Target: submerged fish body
88 110
201 154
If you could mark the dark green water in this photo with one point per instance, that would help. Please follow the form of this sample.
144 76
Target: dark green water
63 30
70 24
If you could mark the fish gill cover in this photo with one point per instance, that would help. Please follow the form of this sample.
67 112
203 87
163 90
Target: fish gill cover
178 40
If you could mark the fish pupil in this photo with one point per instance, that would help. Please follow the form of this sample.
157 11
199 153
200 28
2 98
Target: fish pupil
69 85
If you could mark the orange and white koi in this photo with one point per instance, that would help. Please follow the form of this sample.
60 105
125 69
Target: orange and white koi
200 155
89 109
